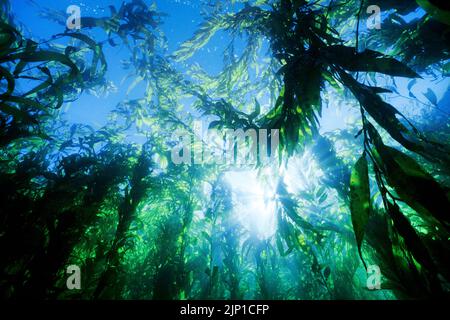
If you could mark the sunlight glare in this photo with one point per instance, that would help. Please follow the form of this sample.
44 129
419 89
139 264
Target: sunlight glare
253 201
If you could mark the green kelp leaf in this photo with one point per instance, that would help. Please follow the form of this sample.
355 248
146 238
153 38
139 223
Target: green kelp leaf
215 124
6 40
98 55
215 276
368 61
285 234
384 114
11 83
27 102
201 37
89 22
379 90
417 187
289 206
412 239
8 35
29 48
39 56
280 246
257 111
43 85
327 76
275 113
387 115
360 204
437 10
298 107
18 114
414 185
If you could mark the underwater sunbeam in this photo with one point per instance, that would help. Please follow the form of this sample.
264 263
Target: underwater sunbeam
253 201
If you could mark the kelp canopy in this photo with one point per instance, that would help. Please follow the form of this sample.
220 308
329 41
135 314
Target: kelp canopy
341 197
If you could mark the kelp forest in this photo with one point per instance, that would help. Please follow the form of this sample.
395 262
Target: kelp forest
114 180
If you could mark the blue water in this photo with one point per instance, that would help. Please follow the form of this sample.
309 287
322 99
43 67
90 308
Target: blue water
182 20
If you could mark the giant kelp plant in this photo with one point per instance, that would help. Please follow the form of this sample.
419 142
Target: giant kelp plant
309 224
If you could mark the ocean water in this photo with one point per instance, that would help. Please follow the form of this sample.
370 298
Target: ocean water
212 231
